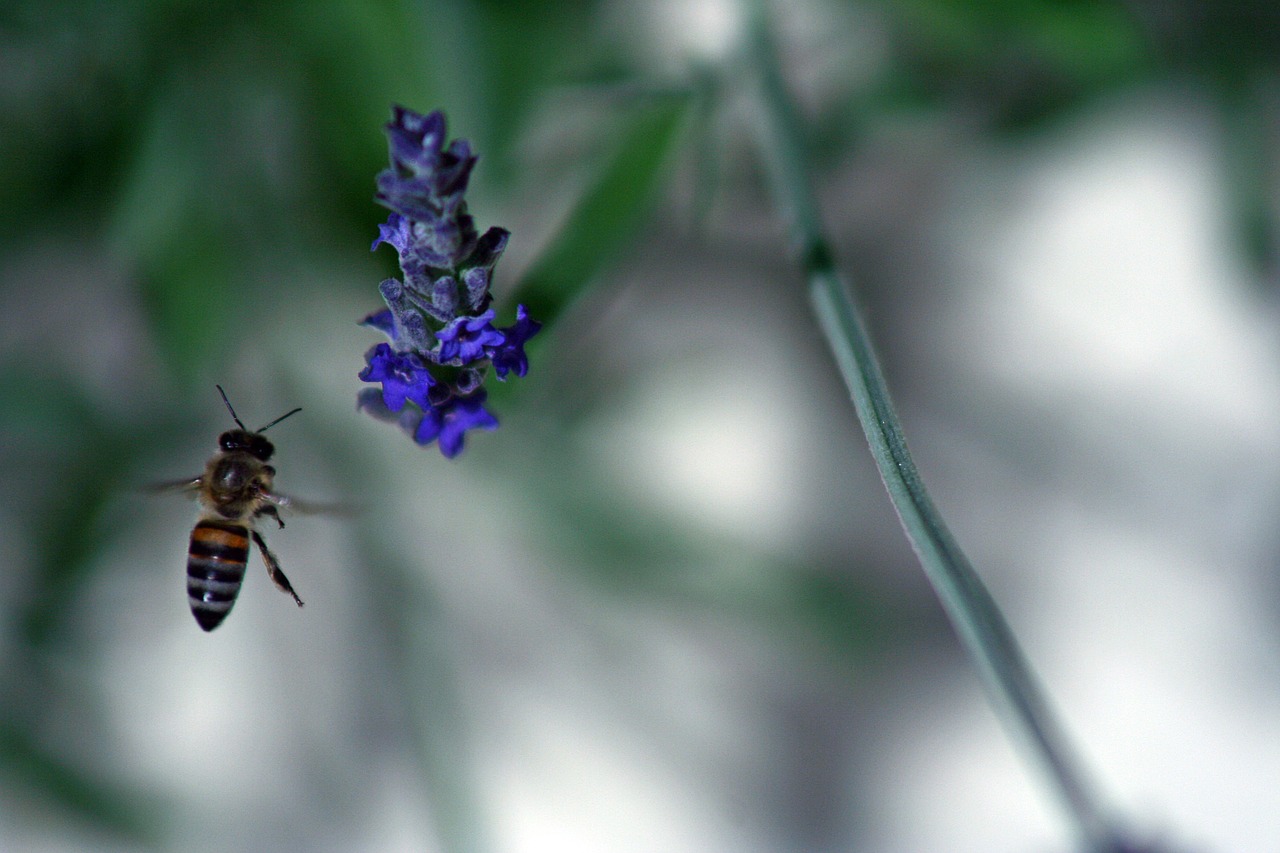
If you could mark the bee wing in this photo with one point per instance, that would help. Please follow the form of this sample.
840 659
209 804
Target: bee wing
289 504
188 484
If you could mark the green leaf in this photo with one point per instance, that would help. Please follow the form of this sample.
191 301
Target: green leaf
77 525
103 804
610 211
56 434
189 295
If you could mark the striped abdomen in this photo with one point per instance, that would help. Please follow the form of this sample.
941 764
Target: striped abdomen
215 569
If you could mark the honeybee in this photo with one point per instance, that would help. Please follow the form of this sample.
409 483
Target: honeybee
234 491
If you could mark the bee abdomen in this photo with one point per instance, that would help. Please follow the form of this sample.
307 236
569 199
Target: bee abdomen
215 569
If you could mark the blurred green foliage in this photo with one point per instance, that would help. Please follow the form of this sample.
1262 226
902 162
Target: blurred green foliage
1017 62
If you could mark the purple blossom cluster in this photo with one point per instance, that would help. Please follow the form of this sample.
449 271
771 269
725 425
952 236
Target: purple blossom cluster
438 319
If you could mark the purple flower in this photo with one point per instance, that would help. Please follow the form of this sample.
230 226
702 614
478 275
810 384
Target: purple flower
428 247
464 340
449 422
509 355
415 139
489 247
383 321
403 376
437 314
426 181
395 232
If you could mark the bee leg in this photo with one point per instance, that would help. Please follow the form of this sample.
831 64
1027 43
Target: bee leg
273 567
270 509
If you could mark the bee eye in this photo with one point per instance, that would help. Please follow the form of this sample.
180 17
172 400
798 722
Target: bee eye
269 470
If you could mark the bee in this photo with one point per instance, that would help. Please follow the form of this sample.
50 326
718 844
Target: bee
235 490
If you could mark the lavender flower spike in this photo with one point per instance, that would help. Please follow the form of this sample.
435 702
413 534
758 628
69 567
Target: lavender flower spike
438 316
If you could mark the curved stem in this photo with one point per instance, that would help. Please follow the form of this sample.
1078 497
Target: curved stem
986 636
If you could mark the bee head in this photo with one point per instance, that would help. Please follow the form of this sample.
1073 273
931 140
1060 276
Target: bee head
249 442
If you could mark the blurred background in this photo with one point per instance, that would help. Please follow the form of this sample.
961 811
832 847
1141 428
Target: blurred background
667 606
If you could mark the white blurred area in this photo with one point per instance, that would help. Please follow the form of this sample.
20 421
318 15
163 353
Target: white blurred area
1092 395
1124 518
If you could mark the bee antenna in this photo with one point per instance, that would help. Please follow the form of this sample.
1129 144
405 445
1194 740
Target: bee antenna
231 410
279 419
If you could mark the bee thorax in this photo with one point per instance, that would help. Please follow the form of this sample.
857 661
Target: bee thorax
230 475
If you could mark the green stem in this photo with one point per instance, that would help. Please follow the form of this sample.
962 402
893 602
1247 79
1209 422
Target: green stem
982 629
